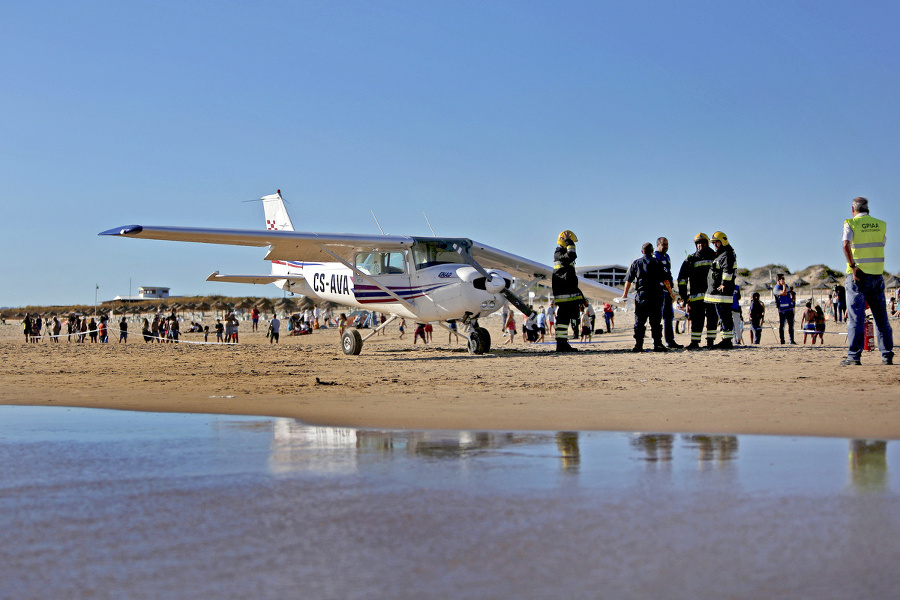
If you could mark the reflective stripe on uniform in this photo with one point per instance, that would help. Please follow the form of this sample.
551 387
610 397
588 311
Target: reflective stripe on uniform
717 299
567 298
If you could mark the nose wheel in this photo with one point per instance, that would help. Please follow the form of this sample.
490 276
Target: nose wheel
479 341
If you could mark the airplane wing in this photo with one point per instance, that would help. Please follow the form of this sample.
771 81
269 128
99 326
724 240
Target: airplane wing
494 258
283 245
311 246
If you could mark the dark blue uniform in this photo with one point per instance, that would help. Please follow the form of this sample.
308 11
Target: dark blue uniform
648 275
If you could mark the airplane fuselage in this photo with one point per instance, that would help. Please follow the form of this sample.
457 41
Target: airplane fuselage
433 293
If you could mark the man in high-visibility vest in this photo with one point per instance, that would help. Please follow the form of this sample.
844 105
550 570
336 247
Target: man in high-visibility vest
864 238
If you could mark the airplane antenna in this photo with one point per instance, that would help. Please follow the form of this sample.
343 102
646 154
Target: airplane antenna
377 223
429 224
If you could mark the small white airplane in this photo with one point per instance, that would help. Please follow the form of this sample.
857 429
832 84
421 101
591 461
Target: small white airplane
424 279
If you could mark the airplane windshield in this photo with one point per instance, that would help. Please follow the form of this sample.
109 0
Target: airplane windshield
429 254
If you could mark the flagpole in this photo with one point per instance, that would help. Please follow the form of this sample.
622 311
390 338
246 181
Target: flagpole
96 289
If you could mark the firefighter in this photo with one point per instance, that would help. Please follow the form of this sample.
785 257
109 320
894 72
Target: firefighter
566 295
692 289
720 288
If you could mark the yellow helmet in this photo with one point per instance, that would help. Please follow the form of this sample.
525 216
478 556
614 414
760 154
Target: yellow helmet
566 235
701 237
720 237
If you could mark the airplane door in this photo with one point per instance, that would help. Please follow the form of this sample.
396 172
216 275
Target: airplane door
390 270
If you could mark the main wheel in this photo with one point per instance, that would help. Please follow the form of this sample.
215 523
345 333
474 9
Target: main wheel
351 342
485 338
476 342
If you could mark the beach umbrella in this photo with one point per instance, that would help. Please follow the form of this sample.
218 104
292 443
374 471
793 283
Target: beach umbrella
893 282
203 307
821 286
800 282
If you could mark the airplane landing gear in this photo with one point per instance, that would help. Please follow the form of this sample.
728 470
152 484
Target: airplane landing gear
479 341
351 342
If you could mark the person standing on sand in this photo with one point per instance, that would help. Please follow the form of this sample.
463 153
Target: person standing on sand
692 282
785 303
720 288
668 311
564 284
757 317
863 244
274 327
123 330
649 278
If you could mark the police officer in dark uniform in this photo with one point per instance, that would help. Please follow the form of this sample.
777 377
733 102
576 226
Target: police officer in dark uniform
692 288
566 294
650 278
668 312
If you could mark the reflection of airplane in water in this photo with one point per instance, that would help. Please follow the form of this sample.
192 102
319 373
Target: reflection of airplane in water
300 447
297 447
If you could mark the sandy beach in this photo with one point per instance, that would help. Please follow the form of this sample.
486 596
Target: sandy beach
766 389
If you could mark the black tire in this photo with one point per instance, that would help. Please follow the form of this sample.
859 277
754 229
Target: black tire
476 342
351 342
485 338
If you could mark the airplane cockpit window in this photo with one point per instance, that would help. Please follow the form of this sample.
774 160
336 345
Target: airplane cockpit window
429 254
381 263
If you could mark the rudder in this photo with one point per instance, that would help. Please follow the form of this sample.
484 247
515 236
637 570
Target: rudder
277 217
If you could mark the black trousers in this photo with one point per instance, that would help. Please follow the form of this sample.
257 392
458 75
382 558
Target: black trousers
702 313
786 317
566 312
647 311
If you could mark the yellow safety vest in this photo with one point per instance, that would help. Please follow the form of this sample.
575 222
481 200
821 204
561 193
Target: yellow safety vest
867 246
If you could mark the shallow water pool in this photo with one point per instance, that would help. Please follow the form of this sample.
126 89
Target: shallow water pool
97 503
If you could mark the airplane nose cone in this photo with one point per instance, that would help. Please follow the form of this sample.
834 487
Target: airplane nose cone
495 284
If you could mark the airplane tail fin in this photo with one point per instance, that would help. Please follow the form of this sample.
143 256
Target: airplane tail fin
277 219
276 214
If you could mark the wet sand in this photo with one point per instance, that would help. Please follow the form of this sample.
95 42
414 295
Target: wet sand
766 389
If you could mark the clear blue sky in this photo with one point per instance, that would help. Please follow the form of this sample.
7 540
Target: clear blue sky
505 122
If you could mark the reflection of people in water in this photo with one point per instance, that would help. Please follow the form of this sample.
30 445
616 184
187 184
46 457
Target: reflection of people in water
657 447
567 444
719 448
868 465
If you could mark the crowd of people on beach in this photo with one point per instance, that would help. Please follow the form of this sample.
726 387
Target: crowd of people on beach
163 328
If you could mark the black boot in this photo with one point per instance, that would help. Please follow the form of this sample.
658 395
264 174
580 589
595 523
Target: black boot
562 345
694 345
